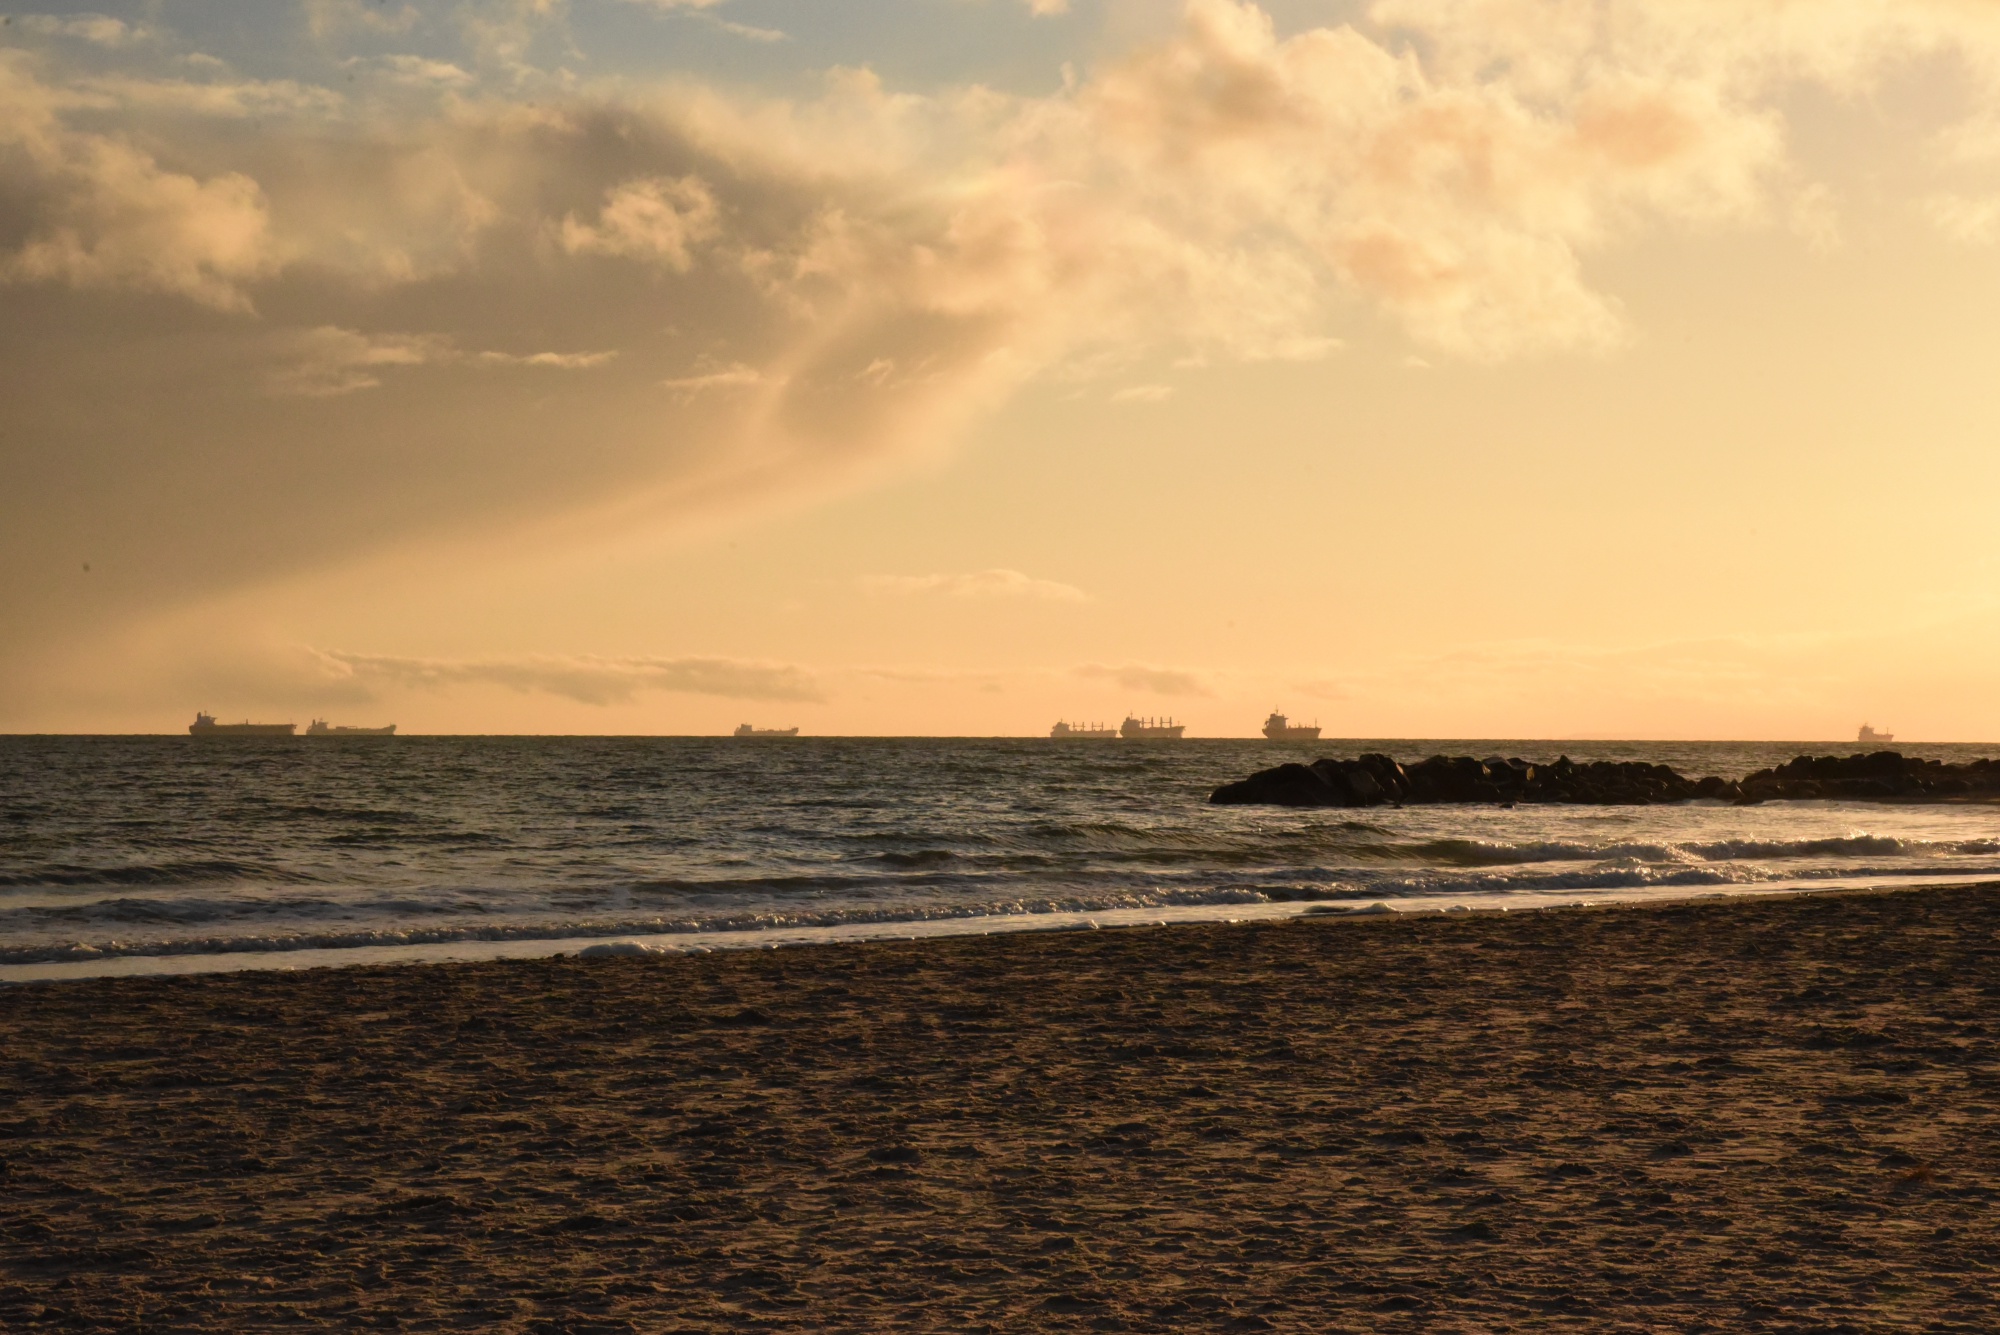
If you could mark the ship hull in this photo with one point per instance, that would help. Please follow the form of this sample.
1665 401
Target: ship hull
389 731
221 731
766 732
1172 734
1292 734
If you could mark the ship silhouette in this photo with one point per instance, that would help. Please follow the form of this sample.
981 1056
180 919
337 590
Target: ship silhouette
1086 732
1869 734
1279 729
321 728
204 725
745 730
1150 729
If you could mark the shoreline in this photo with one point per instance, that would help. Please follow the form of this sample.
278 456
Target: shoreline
105 963
1768 1112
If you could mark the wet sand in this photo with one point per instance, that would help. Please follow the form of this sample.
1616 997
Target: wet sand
1773 1114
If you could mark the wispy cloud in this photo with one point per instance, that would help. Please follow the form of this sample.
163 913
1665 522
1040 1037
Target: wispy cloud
977 584
734 375
588 680
97 29
1971 219
1156 680
705 10
749 32
422 73
327 18
329 361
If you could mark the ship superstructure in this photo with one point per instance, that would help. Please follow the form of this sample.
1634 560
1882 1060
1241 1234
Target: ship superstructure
1280 729
204 725
1150 729
1083 732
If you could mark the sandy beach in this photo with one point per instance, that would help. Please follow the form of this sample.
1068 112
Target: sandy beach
1770 1114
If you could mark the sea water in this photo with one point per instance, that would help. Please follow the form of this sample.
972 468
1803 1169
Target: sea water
150 854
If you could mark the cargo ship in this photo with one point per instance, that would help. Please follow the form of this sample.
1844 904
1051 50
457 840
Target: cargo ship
204 725
321 728
1869 735
1084 732
1150 729
1279 729
745 730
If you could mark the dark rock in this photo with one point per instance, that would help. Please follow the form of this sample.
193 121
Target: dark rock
1289 785
1376 779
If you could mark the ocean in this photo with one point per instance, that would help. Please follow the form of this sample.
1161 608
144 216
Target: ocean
164 854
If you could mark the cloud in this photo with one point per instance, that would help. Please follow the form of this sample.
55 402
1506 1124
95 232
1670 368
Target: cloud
1972 220
566 361
702 9
978 584
97 29
735 375
420 72
329 18
1157 680
93 211
1143 394
749 32
801 291
587 680
649 219
222 99
322 362
928 676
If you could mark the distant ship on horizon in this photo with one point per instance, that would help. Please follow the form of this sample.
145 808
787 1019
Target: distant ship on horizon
204 725
1280 729
745 730
1150 729
321 728
1085 732
1869 734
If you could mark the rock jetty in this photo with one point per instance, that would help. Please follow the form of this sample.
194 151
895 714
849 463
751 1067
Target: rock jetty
1377 780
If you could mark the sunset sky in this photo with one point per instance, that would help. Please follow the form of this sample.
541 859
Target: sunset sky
1425 368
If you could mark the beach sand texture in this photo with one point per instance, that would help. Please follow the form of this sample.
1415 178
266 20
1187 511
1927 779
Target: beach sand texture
1772 1114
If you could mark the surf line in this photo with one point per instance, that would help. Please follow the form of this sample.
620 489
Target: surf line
776 938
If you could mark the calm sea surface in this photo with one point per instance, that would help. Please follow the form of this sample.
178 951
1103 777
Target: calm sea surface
129 854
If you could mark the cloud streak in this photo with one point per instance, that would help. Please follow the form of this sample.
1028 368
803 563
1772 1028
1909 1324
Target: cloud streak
584 679
320 363
1154 680
999 583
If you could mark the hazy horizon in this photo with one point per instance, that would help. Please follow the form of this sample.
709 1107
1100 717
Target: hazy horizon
1328 740
1544 369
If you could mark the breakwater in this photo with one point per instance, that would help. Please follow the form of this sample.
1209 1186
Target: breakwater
1379 780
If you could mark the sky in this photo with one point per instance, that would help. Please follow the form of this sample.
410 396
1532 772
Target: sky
1419 368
